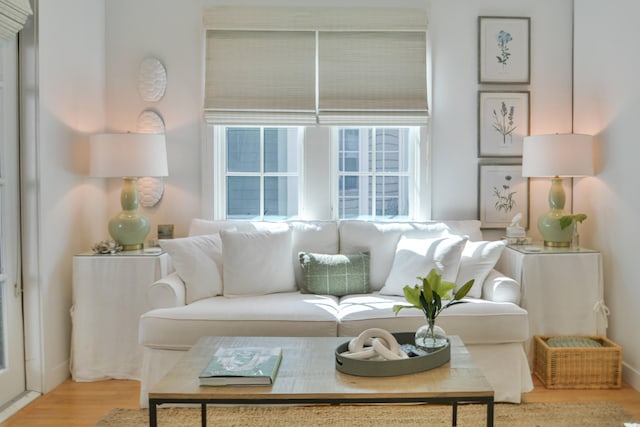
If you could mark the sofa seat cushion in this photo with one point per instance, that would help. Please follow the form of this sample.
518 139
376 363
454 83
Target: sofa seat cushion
282 314
476 322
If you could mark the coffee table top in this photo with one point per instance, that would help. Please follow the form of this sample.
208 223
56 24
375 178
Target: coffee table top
307 371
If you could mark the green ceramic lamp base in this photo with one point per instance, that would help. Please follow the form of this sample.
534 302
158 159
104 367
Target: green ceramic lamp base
129 228
549 223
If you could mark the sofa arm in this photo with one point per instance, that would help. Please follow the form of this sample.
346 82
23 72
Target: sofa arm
166 292
500 288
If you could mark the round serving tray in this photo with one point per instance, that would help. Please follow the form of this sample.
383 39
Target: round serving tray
388 368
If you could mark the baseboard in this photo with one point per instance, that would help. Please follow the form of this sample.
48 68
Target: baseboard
16 405
56 376
631 376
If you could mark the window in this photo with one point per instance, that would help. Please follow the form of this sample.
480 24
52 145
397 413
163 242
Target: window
315 112
261 172
277 173
373 172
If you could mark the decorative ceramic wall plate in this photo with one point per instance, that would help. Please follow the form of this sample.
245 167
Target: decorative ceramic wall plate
150 122
150 189
152 80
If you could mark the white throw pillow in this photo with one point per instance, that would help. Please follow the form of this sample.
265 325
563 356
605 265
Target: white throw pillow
478 259
257 262
198 262
416 257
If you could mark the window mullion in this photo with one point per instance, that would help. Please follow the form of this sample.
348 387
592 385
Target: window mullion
262 174
368 155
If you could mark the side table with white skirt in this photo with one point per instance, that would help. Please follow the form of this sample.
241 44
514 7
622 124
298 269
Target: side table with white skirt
562 289
109 295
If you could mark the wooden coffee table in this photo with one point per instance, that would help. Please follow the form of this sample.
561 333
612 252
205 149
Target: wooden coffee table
307 375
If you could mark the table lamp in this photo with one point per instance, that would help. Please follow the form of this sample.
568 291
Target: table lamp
557 156
128 156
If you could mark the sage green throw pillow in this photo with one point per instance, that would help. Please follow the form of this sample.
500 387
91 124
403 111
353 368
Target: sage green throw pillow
342 274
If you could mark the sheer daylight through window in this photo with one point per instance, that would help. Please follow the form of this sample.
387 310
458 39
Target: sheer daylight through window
373 172
261 172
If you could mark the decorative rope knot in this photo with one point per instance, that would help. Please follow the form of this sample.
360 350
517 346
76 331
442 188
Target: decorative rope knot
375 344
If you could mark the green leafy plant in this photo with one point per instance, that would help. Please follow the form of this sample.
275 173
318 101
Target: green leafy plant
429 296
567 220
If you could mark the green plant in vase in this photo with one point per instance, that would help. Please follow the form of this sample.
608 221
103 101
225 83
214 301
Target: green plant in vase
428 297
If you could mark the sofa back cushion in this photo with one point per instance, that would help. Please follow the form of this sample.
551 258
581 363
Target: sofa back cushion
200 226
312 236
380 239
257 262
307 236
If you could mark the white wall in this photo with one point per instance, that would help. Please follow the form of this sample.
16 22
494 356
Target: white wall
64 102
453 34
77 58
173 33
607 104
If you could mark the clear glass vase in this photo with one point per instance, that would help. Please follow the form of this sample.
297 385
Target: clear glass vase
430 336
575 239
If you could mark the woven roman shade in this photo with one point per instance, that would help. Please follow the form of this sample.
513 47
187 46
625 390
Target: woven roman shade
260 76
330 66
13 16
372 77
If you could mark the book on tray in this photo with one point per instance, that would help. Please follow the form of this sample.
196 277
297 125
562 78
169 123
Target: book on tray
242 366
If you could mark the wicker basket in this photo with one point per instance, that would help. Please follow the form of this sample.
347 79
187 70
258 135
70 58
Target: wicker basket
578 367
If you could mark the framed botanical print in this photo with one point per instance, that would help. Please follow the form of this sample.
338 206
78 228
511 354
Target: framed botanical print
503 122
504 49
502 193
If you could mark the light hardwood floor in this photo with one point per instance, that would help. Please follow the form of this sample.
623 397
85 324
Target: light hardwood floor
83 404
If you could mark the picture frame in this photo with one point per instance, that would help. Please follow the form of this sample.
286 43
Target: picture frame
503 122
504 49
502 193
165 231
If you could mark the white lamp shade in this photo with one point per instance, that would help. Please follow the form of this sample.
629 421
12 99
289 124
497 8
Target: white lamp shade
128 154
562 155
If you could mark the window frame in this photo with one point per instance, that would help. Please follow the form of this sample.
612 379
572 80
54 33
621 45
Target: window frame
413 174
214 181
323 173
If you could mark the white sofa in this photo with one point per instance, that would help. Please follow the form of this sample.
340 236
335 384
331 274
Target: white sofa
251 286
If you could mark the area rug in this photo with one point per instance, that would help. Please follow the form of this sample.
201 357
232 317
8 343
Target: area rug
523 415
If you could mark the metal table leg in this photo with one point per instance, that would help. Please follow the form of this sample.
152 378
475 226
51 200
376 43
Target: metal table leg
454 415
153 414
